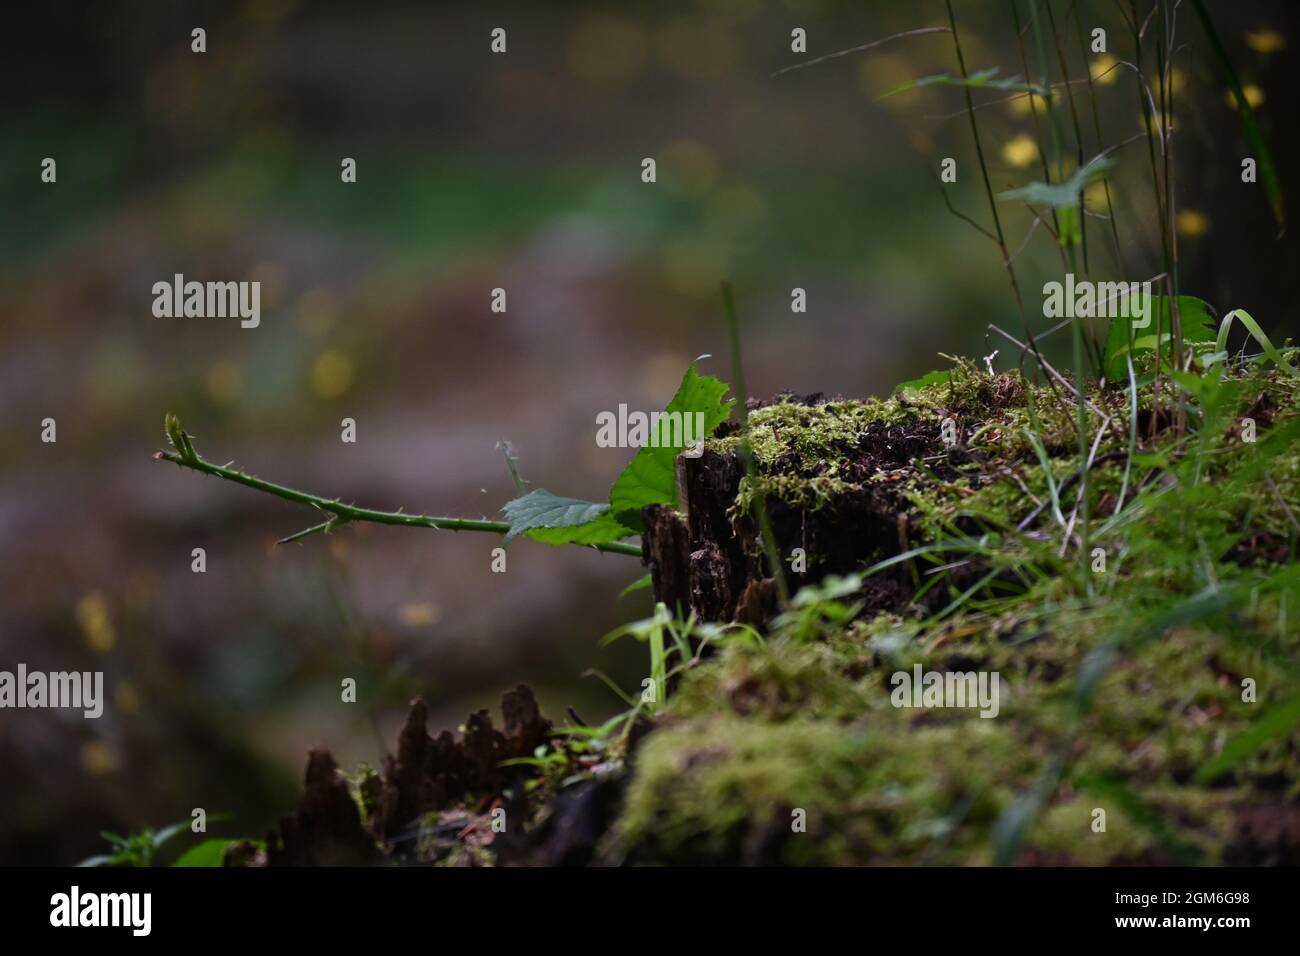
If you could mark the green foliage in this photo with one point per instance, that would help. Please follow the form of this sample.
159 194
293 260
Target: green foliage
566 520
650 477
817 609
209 853
917 384
1270 351
1275 724
141 849
1197 326
1065 194
137 849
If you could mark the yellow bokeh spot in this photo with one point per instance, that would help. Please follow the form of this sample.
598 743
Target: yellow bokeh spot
96 625
1020 151
98 758
687 168
1265 41
607 49
1025 104
127 697
1104 70
1254 96
1094 197
331 374
1191 223
224 382
420 614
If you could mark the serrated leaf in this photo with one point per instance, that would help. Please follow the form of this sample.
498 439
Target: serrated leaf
1063 194
1197 326
650 477
540 509
602 530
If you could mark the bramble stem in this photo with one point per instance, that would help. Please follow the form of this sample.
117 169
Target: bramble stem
340 513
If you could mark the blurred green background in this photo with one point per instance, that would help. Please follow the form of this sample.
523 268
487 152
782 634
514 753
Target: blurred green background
475 171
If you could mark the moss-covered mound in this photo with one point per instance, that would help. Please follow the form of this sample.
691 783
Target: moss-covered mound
1140 641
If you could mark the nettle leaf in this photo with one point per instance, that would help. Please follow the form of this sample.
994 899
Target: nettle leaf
980 79
1197 323
650 477
1063 194
568 518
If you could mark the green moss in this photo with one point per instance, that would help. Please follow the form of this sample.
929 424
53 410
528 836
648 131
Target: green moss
1184 614
726 788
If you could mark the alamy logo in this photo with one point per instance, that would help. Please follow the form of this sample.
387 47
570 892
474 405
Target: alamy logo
208 300
56 689
103 909
1085 299
626 429
947 689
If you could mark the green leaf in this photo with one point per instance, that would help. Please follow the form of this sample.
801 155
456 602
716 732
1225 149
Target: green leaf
1069 232
207 853
602 530
1270 351
1277 722
167 832
916 384
570 519
980 79
1063 194
1197 324
640 584
650 477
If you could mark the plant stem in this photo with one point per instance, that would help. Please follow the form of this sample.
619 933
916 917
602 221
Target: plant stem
341 513
746 451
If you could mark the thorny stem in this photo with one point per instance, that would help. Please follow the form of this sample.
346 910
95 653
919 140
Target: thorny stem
339 513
